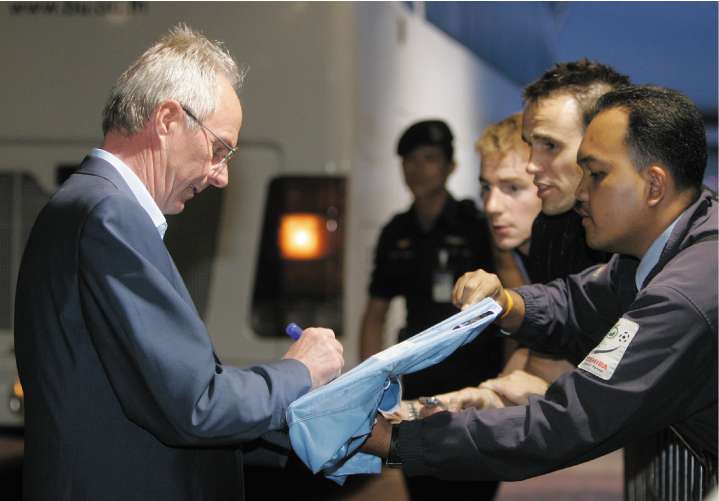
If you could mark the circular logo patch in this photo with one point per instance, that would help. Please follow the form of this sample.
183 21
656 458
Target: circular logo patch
612 333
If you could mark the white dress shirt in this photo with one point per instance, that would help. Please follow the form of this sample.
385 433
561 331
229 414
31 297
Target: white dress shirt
137 187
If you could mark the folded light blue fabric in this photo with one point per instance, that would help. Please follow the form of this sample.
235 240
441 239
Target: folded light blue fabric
329 424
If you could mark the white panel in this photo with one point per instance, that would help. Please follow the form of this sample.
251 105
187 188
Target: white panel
228 315
407 70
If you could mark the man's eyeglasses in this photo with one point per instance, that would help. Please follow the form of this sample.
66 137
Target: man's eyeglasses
220 155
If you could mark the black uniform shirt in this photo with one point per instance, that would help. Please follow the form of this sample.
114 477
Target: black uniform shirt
408 263
559 248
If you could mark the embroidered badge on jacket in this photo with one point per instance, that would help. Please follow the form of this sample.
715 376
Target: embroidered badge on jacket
603 360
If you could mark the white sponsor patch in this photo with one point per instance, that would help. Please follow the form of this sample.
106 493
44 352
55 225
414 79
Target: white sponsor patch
603 360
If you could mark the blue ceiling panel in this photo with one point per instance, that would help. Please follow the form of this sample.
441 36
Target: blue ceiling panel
514 37
673 44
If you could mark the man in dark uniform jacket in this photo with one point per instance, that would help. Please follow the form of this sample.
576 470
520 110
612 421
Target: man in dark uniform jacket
420 254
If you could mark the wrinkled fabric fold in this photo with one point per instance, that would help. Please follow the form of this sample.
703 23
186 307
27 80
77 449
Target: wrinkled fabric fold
328 425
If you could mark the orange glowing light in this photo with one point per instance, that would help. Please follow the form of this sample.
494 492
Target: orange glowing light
302 236
17 389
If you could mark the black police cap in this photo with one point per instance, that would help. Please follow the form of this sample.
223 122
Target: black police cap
426 133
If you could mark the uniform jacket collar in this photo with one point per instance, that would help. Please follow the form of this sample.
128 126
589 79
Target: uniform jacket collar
697 222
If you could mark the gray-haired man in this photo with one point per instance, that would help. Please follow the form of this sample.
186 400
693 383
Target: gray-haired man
125 397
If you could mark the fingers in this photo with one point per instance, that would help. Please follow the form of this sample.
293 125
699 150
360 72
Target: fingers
323 333
435 404
491 400
459 289
327 336
506 390
517 386
497 393
474 286
479 398
321 353
493 385
455 401
451 401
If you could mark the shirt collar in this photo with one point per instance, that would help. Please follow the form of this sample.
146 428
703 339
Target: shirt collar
137 187
651 257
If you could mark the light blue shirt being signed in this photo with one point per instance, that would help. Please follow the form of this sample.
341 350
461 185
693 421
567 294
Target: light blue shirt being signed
329 424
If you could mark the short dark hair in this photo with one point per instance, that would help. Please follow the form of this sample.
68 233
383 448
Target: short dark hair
665 127
584 80
427 133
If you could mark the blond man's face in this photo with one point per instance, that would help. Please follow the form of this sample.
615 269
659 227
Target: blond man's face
510 199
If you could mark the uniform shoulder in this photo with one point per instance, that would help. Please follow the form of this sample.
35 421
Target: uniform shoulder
692 274
399 220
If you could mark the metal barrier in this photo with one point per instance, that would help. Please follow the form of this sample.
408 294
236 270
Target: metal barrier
664 467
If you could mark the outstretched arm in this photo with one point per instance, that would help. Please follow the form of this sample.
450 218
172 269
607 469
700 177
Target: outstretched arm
474 286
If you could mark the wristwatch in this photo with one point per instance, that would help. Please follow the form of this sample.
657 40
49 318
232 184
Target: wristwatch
393 460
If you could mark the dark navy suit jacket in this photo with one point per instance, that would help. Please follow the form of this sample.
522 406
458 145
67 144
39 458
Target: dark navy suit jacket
125 397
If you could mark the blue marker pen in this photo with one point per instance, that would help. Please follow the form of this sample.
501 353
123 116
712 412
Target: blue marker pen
293 330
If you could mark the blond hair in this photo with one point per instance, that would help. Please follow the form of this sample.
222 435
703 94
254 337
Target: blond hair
502 137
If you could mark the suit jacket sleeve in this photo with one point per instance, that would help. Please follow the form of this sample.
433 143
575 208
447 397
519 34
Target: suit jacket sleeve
154 347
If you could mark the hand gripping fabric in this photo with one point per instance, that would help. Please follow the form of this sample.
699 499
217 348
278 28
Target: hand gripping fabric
329 424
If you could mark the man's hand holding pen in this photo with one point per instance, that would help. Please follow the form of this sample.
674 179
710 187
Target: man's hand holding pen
319 350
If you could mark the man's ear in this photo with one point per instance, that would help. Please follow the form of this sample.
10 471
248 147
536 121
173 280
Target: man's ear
658 180
167 116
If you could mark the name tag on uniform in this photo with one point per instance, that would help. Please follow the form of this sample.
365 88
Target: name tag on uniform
442 279
603 360
442 285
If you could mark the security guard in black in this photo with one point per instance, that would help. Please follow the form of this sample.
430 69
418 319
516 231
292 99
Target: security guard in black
420 254
422 266
423 251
